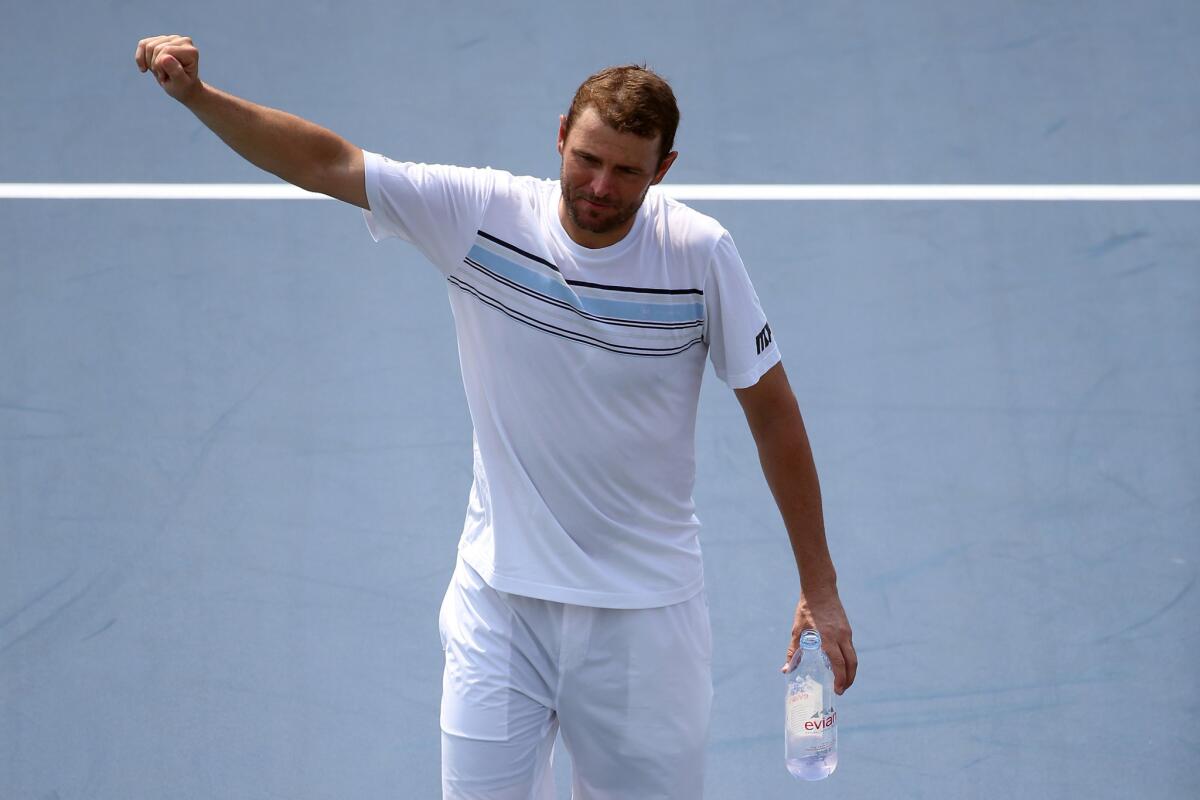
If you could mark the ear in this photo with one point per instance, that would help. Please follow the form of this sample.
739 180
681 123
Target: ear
664 166
562 132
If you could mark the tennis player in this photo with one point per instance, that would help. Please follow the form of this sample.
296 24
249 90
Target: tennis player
585 309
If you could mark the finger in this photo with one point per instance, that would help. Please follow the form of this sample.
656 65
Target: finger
839 667
150 47
168 64
164 52
159 70
792 648
150 55
161 45
185 55
171 68
145 52
851 663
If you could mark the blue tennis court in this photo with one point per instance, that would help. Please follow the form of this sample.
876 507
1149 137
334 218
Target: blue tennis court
235 451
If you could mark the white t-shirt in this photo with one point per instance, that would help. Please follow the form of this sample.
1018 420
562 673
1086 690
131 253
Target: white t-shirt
582 371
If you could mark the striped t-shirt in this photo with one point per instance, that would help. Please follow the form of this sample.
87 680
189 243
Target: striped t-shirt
582 371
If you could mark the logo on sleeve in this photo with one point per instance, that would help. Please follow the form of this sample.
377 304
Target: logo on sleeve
763 340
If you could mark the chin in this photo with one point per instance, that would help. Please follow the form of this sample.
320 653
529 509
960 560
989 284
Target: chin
591 224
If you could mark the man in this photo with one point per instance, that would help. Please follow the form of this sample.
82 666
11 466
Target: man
585 309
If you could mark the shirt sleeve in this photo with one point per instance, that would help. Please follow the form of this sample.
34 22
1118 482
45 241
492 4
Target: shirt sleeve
436 207
741 345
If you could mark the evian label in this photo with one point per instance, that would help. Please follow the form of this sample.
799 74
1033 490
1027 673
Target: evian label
806 713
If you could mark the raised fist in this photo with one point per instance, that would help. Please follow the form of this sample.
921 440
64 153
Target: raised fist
175 62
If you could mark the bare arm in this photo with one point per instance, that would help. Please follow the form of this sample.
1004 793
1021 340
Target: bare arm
298 151
783 449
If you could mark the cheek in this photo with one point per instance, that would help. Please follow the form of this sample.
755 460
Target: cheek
577 178
633 189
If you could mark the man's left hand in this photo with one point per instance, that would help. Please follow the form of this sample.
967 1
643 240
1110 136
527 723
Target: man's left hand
823 612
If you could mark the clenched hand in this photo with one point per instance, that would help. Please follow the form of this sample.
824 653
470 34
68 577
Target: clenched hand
175 62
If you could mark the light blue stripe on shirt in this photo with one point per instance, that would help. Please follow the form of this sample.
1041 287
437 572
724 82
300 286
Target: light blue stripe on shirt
619 309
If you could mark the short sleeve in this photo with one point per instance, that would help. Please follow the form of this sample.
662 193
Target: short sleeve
741 344
436 207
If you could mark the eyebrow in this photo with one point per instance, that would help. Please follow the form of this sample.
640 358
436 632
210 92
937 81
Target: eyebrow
588 154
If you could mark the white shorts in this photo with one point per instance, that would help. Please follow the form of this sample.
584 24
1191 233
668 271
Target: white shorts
630 688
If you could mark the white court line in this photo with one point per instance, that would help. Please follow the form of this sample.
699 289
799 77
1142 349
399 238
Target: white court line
684 191
944 191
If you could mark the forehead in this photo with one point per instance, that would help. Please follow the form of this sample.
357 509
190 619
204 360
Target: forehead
589 132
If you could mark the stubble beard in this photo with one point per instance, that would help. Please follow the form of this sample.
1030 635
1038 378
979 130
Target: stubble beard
622 215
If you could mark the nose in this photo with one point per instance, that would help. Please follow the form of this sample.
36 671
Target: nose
602 185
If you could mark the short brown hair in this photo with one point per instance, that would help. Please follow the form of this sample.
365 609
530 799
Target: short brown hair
630 99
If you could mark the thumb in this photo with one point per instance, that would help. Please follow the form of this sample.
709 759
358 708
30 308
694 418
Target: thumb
172 67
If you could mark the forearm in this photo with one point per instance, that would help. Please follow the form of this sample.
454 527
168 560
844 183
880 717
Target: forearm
280 143
787 462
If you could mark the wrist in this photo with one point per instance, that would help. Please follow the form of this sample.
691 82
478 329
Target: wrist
815 586
195 96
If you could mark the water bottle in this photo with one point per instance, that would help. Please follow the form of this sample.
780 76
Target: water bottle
810 723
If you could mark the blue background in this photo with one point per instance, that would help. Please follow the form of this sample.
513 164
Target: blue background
235 451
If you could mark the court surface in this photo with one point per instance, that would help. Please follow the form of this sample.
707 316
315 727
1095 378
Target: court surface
235 452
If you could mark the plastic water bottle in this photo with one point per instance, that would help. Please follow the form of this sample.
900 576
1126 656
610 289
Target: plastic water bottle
810 723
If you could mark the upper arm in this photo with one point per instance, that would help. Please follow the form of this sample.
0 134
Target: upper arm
345 178
768 400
